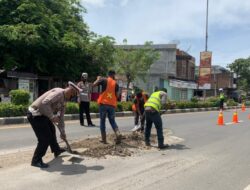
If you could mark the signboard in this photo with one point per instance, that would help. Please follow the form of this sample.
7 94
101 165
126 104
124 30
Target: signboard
28 86
205 70
24 84
182 84
124 95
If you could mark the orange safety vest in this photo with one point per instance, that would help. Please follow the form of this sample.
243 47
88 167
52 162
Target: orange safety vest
108 97
134 105
145 97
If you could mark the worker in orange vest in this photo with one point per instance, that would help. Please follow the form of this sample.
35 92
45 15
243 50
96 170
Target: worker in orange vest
107 103
138 108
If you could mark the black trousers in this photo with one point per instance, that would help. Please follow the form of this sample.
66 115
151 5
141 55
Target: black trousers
142 118
154 117
46 135
221 104
84 107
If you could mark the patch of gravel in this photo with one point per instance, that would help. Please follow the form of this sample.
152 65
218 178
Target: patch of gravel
131 144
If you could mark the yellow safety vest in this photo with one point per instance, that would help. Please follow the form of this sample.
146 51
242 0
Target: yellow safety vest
222 97
154 101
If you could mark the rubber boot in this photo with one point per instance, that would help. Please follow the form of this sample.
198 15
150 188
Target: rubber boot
103 139
118 136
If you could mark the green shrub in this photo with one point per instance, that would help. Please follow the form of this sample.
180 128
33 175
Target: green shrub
214 100
231 102
94 107
170 105
19 97
126 106
12 110
72 108
247 103
119 107
194 99
186 104
243 97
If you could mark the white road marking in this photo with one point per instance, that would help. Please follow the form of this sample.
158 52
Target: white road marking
230 123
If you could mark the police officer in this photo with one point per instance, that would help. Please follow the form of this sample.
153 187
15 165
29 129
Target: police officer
43 113
222 98
84 100
152 110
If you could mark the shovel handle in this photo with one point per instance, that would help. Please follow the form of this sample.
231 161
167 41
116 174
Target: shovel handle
68 146
65 140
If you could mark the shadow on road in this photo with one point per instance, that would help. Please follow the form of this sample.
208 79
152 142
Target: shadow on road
173 146
57 165
178 147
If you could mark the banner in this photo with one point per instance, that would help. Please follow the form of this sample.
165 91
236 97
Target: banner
124 95
205 70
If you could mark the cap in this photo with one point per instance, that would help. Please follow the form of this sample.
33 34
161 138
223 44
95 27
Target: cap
111 73
73 86
85 75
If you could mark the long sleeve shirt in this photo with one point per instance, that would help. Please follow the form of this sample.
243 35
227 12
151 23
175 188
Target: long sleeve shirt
51 104
84 95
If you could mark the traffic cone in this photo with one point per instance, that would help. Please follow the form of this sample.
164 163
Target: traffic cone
220 119
248 116
235 117
243 107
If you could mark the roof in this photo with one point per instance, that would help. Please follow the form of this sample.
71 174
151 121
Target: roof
154 46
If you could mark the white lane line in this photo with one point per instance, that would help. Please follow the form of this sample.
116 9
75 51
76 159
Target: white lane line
230 123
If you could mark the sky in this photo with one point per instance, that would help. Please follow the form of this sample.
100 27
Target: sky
176 21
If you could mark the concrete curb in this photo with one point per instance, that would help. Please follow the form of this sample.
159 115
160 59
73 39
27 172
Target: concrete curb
68 117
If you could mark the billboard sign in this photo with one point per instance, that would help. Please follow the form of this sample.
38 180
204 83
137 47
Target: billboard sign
205 70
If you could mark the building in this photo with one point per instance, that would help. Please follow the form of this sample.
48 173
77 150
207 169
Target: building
36 85
175 71
220 78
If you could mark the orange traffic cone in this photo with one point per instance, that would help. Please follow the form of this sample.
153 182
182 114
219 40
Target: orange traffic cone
243 107
248 116
235 117
220 119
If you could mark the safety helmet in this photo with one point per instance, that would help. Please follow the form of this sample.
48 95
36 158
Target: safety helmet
221 89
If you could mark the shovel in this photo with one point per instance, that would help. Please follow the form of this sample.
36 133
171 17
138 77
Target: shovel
69 150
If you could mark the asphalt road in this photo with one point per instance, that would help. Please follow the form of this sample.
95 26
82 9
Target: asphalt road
210 157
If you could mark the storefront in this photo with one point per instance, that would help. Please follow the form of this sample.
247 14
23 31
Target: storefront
179 90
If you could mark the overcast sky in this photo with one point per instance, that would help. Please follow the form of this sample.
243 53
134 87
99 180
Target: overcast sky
183 21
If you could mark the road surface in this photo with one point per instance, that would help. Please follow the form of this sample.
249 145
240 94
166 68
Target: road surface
209 157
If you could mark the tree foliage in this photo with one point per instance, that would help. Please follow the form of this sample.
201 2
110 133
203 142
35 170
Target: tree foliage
134 61
50 37
241 67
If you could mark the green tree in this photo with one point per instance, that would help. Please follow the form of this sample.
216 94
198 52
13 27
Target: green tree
241 67
50 37
134 61
101 54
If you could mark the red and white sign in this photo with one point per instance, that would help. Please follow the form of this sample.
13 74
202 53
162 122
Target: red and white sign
205 70
124 95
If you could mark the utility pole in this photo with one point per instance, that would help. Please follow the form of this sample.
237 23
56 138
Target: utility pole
206 28
204 91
